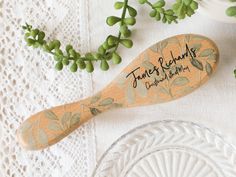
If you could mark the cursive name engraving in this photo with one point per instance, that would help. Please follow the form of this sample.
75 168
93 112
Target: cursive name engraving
165 71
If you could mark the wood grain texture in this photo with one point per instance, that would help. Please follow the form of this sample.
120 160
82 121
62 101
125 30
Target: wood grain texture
166 71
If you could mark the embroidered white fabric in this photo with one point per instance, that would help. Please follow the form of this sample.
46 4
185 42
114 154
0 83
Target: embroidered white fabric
29 83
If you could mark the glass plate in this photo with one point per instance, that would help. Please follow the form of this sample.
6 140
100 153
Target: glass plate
168 149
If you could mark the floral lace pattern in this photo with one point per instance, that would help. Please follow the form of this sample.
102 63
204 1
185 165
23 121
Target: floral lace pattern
29 83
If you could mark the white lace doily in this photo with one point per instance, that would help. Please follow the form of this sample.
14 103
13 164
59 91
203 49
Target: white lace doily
29 83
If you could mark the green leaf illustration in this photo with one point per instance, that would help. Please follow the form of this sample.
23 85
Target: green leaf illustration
164 44
173 40
154 48
116 105
130 95
173 68
31 140
54 126
142 90
164 90
147 65
50 115
95 98
66 119
121 79
180 81
95 111
146 57
208 69
200 38
106 102
25 127
184 91
213 57
197 47
75 119
206 52
42 137
197 64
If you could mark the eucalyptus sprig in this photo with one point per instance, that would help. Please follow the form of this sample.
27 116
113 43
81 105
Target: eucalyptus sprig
108 50
180 10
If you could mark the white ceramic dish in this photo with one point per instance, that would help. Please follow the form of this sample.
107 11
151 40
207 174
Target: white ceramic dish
215 9
168 149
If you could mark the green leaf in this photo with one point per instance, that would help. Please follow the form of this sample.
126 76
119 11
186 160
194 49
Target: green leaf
180 81
142 90
75 119
95 111
127 43
54 126
197 64
132 11
231 11
208 69
50 115
106 102
112 20
42 137
206 52
130 95
95 98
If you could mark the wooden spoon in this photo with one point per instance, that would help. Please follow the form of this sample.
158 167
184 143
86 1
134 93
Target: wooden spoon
166 71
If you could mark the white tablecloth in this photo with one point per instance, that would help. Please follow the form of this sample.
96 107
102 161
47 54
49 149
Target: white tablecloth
28 83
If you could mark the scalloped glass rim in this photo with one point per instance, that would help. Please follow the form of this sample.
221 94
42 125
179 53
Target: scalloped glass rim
123 137
215 9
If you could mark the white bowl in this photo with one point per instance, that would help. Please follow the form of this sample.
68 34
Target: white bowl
216 9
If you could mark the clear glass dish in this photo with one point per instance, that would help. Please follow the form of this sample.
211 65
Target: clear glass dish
168 149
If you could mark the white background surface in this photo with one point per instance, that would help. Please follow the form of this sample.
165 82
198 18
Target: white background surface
213 105
29 82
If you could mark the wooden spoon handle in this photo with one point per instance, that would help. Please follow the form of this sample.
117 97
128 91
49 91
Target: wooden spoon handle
50 126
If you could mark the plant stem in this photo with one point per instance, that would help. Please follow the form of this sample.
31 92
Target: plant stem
122 19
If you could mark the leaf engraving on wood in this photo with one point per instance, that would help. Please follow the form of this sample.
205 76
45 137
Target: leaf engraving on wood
197 64
206 52
75 119
208 69
106 102
95 111
180 81
42 137
50 115
130 95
